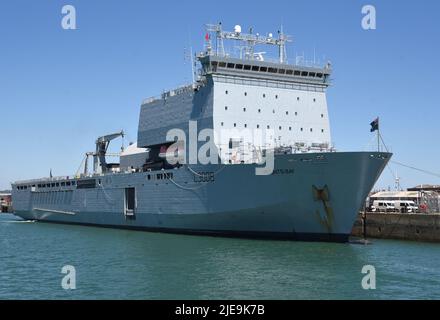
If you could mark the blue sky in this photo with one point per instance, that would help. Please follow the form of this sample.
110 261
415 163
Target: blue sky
60 89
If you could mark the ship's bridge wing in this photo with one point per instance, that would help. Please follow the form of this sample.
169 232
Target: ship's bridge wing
212 64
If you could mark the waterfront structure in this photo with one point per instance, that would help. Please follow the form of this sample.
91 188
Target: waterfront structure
5 201
311 193
426 197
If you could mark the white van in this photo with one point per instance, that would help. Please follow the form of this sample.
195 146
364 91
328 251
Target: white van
383 206
405 206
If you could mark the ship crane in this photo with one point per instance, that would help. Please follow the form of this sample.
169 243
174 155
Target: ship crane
102 144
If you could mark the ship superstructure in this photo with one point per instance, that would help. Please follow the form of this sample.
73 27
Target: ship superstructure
244 94
238 112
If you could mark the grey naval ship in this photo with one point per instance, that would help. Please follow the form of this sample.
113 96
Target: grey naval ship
305 189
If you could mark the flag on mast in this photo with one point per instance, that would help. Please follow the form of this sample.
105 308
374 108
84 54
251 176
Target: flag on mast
207 36
374 125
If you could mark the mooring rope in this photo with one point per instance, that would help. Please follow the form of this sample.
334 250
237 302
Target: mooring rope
107 197
186 188
200 175
408 166
417 169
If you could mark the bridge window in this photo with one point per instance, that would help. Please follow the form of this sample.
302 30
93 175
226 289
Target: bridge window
247 67
263 69
231 65
239 66
319 75
304 74
297 73
273 70
281 71
312 74
289 72
222 64
255 68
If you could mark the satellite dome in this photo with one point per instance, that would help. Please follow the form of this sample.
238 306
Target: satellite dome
237 29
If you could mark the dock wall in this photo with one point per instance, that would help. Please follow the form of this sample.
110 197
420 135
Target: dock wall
401 226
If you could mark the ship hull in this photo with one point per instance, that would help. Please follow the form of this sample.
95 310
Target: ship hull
310 197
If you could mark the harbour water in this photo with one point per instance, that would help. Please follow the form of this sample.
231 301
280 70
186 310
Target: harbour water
119 264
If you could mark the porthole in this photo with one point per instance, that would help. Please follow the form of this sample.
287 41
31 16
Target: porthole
244 109
264 95
245 94
235 125
287 113
226 92
259 110
226 108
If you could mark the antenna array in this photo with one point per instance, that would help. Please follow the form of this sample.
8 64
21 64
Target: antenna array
250 40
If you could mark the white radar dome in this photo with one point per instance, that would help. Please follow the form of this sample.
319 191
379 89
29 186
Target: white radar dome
237 29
